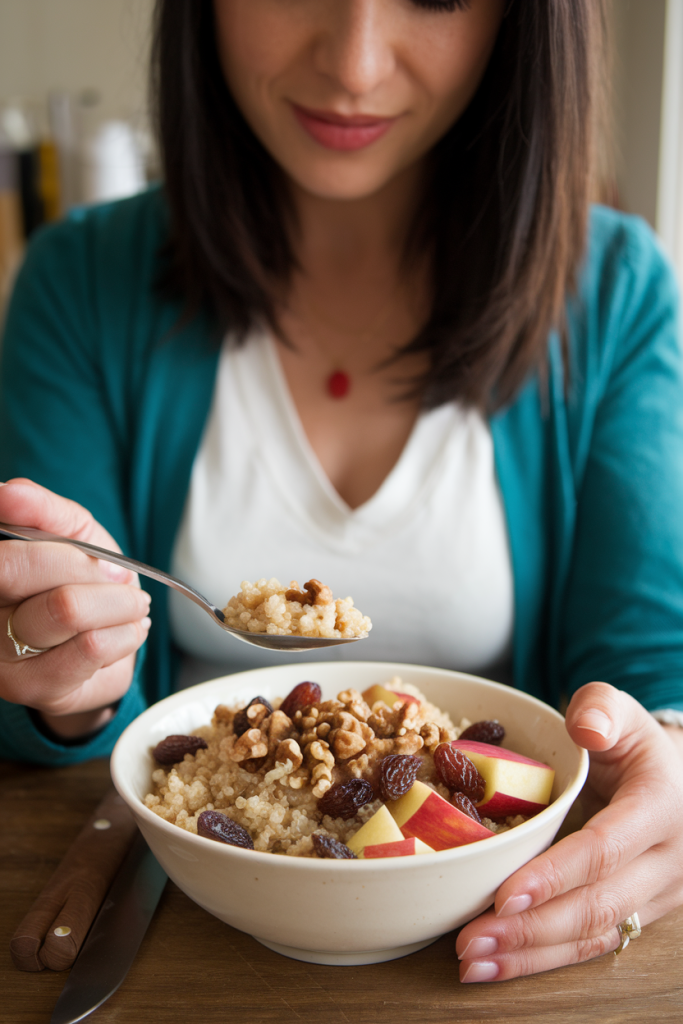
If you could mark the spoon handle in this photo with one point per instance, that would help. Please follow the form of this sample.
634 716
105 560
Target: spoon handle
30 533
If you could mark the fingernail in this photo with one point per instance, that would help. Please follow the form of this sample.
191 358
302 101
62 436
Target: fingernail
515 905
484 945
146 622
480 970
116 573
148 597
595 721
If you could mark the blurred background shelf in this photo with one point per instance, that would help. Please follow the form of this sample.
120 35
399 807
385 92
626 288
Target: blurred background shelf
73 112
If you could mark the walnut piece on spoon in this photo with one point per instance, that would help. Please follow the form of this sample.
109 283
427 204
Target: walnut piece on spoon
266 606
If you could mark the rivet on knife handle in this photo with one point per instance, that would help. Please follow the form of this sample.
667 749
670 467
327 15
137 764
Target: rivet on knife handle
53 931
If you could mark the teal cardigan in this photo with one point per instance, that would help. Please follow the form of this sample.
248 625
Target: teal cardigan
104 398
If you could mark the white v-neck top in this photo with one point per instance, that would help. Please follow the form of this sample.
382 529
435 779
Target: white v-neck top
426 557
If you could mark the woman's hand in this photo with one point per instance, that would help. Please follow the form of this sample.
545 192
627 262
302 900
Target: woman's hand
91 614
564 906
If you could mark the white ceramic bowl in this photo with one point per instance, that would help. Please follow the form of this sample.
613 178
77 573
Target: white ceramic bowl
349 912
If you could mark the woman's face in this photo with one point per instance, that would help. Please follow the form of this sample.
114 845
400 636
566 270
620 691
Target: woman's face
346 94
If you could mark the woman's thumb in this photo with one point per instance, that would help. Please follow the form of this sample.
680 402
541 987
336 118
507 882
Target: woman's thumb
602 718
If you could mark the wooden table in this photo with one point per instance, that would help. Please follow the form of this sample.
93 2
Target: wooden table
193 968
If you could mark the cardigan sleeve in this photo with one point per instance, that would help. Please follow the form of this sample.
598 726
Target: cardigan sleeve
622 618
59 428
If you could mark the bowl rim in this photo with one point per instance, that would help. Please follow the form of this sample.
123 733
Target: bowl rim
264 857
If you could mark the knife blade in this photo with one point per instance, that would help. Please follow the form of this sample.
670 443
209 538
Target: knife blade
115 936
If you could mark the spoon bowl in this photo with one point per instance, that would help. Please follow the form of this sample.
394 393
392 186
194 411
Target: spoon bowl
272 641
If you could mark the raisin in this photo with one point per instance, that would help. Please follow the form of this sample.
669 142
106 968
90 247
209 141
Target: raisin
326 846
173 748
397 773
214 825
458 773
484 732
241 723
464 804
303 695
346 798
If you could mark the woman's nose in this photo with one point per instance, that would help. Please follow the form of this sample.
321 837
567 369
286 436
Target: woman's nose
356 47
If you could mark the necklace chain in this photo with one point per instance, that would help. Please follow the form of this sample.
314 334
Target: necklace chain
367 332
338 381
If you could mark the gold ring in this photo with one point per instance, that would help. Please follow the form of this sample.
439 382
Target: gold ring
628 929
22 648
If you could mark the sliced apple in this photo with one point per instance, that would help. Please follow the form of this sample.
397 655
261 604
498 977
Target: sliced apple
390 697
378 830
427 816
514 784
407 698
403 848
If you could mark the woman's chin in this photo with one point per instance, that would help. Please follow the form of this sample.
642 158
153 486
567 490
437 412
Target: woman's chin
337 179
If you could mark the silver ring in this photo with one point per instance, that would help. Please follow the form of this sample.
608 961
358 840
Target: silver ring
20 647
628 929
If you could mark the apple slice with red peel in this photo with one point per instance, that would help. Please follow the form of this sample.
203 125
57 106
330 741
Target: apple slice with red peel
390 697
514 784
380 829
403 848
424 814
407 698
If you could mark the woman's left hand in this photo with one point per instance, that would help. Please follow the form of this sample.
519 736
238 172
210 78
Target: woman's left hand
564 906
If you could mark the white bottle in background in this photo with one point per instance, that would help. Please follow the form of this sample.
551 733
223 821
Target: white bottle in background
65 128
111 164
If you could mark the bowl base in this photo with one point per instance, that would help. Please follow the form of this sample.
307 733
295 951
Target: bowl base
331 959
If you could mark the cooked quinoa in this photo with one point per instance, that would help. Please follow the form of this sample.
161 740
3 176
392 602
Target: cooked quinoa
269 779
268 607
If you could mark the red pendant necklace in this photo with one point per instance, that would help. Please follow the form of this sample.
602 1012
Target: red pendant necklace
338 384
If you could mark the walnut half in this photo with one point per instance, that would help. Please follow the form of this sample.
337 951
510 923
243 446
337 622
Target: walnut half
249 746
315 593
289 750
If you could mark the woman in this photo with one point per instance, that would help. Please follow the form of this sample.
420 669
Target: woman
432 353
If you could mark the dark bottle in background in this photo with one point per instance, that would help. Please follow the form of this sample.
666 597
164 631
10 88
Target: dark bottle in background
32 206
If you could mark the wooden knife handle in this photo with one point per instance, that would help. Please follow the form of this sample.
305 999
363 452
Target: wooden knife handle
53 931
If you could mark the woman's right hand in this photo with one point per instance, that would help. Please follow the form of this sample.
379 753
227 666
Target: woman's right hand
91 614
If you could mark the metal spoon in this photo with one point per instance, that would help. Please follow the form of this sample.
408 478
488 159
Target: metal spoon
272 642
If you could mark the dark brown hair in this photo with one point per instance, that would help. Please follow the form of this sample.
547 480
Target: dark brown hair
503 217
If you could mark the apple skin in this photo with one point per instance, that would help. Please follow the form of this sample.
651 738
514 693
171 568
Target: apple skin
514 784
380 829
389 697
404 848
407 698
424 814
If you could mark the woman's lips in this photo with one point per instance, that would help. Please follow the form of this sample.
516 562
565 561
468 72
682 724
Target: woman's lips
334 131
